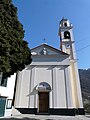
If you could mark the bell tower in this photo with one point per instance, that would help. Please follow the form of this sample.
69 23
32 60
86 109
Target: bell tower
66 36
67 45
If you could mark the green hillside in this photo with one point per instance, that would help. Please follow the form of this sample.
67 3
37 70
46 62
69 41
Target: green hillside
85 86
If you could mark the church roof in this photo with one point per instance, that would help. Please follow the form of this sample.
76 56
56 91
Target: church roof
45 46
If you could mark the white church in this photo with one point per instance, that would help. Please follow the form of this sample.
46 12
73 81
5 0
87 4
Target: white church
50 85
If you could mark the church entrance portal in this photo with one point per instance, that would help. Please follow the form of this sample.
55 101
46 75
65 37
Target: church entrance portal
43 89
43 102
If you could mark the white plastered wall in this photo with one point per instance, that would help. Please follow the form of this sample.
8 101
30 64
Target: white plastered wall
27 97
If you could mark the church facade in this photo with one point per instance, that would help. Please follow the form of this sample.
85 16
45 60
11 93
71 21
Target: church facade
50 84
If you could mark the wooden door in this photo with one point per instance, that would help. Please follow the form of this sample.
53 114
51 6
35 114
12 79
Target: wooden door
43 102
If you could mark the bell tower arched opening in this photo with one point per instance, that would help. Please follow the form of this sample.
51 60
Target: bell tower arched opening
67 35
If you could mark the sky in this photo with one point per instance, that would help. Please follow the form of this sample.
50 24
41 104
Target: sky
40 19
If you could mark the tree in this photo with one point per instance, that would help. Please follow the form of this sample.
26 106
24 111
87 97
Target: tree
14 51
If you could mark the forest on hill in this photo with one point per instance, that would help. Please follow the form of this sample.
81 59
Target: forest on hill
85 86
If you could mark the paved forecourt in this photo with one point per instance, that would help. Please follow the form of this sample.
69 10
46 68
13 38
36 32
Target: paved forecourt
46 117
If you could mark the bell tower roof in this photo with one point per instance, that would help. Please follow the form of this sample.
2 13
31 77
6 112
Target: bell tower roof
65 23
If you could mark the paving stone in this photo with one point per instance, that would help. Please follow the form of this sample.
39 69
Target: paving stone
43 117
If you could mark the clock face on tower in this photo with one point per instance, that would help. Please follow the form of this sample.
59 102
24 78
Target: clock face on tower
67 45
66 35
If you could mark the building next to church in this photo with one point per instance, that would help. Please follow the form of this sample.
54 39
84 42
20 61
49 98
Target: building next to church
6 94
50 84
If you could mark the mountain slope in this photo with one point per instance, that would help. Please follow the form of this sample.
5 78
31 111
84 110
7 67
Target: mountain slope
85 86
85 80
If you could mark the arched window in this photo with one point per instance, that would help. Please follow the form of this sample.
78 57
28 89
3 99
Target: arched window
65 24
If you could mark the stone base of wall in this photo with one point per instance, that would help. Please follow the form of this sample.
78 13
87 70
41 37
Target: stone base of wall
53 111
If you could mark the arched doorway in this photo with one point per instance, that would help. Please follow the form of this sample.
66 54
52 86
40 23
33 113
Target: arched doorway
43 97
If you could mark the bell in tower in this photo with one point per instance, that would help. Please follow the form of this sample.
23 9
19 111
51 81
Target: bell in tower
66 35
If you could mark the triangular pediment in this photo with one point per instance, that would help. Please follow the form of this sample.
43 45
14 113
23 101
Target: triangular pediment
45 49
